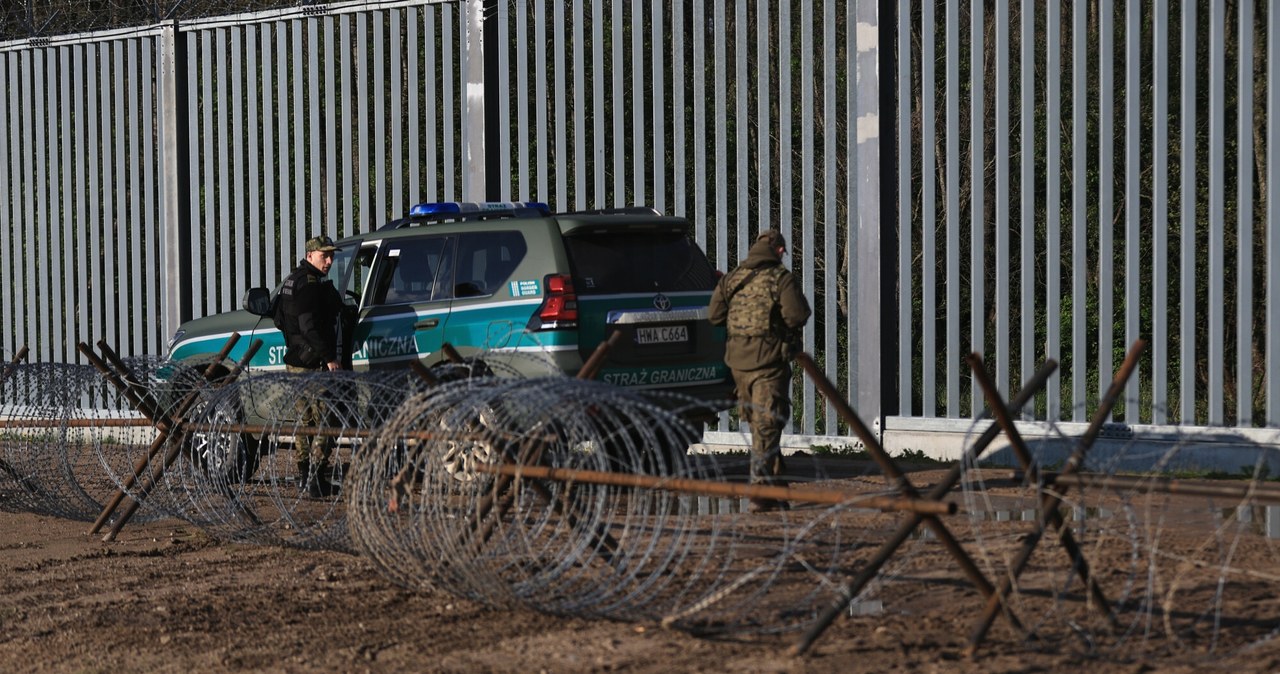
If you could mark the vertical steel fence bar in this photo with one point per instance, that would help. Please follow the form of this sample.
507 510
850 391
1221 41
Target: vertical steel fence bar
831 254
304 220
658 68
1160 216
1132 200
285 215
96 90
334 181
8 188
253 110
317 219
720 156
560 122
619 129
60 231
1106 187
236 226
18 69
82 280
397 205
599 194
449 105
1079 196
807 189
579 108
1244 214
785 113
431 72
221 191
906 373
1027 230
417 41
380 92
1053 213
1217 208
951 352
362 92
135 222
269 210
1002 203
540 94
638 192
764 116
117 261
1187 194
978 170
743 222
37 240
928 216
1272 339
699 212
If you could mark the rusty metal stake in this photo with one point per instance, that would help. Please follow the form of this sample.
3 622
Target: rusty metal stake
18 357
730 489
904 531
162 422
176 439
1246 491
1050 500
4 374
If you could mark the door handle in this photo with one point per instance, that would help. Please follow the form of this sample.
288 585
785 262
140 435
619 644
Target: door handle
426 324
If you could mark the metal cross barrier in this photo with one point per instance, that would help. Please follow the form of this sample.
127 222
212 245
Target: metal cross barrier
1051 497
168 423
912 522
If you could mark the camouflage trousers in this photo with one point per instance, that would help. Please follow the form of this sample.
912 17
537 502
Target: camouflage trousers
312 409
764 398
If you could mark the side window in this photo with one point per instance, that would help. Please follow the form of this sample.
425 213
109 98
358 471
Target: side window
486 260
351 271
413 271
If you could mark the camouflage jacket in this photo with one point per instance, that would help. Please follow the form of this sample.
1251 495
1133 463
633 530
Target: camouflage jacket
763 310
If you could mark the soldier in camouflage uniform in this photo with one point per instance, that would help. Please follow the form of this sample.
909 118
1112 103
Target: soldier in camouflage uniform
763 310
308 311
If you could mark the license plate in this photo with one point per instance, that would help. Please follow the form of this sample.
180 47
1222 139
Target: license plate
669 334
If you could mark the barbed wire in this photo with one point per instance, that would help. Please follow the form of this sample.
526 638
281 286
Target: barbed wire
22 19
439 489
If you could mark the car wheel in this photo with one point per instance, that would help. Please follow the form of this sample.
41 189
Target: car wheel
223 457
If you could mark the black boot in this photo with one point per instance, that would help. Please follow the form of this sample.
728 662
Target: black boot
320 483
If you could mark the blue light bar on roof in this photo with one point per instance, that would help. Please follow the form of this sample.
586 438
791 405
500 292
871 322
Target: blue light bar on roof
459 207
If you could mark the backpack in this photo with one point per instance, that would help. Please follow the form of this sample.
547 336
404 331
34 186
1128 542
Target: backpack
752 304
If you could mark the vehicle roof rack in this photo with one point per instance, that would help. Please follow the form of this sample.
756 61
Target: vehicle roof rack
619 210
461 211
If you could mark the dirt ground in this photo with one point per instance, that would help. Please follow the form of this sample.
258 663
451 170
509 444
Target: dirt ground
166 597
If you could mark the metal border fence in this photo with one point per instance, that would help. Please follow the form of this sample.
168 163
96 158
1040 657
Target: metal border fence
1010 178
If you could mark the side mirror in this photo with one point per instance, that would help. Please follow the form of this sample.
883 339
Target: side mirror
257 301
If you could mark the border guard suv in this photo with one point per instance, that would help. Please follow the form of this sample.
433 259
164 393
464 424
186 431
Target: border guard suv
512 277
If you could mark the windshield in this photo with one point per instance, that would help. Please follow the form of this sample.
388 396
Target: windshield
638 262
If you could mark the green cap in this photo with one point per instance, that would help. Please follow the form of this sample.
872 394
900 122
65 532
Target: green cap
321 242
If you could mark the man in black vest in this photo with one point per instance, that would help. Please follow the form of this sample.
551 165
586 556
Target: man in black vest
308 315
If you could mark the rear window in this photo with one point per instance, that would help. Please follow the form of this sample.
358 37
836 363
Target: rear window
638 262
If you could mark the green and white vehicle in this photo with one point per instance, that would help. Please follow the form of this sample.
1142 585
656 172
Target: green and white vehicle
497 278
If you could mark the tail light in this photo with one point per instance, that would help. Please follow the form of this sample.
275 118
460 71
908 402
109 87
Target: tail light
559 309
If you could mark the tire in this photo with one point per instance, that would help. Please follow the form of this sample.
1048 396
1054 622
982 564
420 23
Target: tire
224 458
